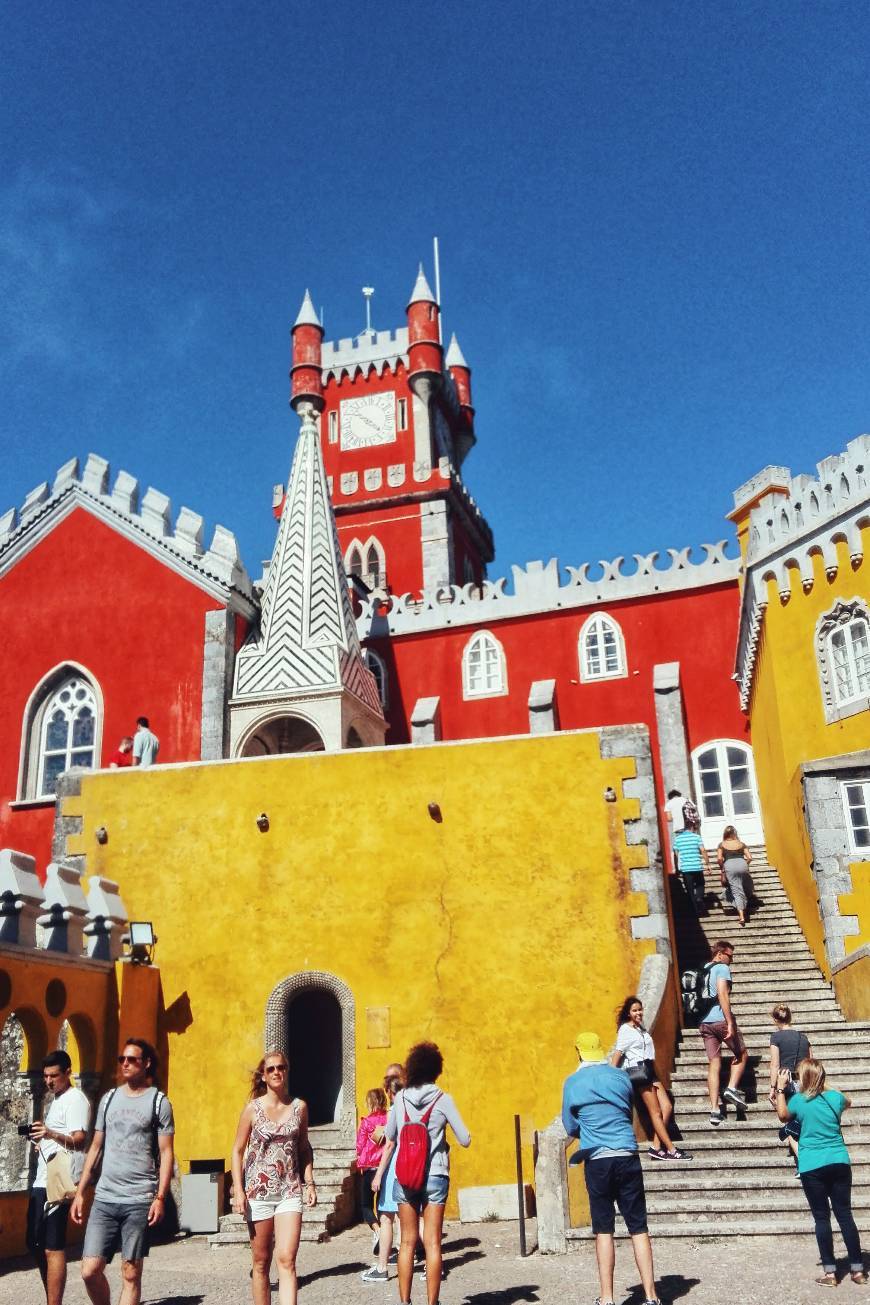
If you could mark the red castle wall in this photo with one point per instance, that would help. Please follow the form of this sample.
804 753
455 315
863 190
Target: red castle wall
88 595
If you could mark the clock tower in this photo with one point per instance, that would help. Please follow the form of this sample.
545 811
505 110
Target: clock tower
395 428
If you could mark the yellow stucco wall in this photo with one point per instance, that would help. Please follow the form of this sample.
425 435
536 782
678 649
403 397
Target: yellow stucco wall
498 932
789 727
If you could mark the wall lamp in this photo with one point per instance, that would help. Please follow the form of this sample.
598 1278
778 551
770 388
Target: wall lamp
101 834
262 822
141 942
609 795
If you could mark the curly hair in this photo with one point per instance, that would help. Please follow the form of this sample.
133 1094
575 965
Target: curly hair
424 1064
622 1013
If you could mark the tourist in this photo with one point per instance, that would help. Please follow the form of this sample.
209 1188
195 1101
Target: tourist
63 1128
635 1053
421 1101
719 1028
133 1138
146 744
690 856
369 1149
597 1106
788 1048
823 1164
673 813
124 754
734 859
382 1242
272 1162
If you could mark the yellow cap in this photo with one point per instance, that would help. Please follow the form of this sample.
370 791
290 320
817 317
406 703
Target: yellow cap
589 1046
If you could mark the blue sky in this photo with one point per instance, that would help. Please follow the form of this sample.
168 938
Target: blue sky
653 221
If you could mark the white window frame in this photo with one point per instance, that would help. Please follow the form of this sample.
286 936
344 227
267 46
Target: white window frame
592 677
363 549
482 637
864 785
378 668
333 427
841 617
34 725
401 414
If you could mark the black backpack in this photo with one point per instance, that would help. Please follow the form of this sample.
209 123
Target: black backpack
697 1002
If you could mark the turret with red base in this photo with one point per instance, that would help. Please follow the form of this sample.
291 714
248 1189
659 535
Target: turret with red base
306 380
465 438
424 340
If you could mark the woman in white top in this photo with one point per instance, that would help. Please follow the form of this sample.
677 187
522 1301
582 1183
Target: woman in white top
635 1052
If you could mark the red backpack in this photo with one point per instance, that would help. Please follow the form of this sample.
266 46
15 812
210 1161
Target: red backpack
413 1157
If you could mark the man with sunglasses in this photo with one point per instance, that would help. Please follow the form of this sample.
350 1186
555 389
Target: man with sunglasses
133 1135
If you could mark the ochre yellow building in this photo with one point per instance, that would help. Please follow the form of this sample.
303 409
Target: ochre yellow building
804 672
482 895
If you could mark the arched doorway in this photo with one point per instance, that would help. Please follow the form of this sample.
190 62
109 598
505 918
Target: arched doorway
282 734
724 773
311 1017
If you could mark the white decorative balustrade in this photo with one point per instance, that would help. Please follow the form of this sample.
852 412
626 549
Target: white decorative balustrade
57 916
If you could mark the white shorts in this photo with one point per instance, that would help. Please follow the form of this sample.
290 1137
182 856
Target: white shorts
258 1210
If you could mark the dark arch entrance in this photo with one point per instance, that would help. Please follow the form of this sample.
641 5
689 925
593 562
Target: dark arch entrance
314 1051
311 1017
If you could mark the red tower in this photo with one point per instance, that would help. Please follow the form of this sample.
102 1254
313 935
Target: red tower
396 426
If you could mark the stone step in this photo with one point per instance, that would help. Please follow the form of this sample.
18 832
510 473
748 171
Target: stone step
853 1080
759 1120
728 1148
691 1105
691 1177
726 1201
796 1224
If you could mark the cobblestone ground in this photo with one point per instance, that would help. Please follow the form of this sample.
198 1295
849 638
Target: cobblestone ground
483 1268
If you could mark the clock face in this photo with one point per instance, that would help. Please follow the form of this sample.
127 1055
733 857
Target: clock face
368 420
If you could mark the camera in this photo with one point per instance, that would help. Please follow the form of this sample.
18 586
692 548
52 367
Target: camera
24 1130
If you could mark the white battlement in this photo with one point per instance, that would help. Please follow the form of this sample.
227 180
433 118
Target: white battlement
538 587
151 514
58 916
379 348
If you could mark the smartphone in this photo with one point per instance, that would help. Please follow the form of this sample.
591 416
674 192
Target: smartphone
24 1130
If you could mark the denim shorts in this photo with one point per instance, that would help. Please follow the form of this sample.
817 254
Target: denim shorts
434 1193
267 1209
112 1224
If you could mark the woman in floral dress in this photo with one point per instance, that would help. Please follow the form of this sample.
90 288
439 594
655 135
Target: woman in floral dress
273 1165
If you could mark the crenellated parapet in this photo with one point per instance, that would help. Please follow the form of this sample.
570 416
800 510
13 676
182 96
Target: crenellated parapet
539 587
381 350
58 916
146 518
795 520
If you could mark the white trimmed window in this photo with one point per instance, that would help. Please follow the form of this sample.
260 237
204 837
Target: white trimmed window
843 654
378 669
62 728
367 561
333 428
353 562
856 802
402 417
484 670
376 571
601 649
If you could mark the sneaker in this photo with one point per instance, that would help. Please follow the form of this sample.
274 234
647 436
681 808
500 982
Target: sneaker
374 1274
393 1257
735 1096
715 1118
657 1153
677 1154
599 1301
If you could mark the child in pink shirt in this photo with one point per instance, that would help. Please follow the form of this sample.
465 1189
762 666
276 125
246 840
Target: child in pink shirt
369 1149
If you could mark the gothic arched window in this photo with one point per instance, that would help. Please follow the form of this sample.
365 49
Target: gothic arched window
379 671
843 656
62 728
602 649
353 561
484 670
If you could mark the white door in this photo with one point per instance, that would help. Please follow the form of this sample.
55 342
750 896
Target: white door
726 791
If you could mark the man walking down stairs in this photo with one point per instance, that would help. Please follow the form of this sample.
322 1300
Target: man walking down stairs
743 1180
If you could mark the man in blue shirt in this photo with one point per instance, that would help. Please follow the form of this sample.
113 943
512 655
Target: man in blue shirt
597 1102
690 856
719 1028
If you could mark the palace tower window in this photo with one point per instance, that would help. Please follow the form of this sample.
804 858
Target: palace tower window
484 671
601 649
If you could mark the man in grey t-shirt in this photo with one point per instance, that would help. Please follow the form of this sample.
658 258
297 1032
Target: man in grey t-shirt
133 1134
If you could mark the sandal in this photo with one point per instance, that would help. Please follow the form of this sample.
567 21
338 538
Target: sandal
858 1276
828 1280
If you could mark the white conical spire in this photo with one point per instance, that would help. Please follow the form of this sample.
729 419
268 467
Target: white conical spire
421 292
307 315
455 357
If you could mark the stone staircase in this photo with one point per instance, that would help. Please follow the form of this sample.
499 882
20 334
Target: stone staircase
335 1175
741 1180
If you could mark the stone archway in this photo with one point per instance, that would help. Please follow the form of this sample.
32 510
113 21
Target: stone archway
281 735
315 994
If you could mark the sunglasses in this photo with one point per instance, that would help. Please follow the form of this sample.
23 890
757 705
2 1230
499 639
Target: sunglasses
129 1060
275 1069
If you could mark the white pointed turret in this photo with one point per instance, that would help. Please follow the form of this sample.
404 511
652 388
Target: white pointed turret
307 315
305 663
421 294
455 356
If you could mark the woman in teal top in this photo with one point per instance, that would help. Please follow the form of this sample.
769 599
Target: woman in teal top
823 1163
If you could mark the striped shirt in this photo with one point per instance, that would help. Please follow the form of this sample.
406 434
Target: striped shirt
687 845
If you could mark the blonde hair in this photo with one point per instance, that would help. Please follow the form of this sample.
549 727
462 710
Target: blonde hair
258 1077
811 1077
781 1014
376 1101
